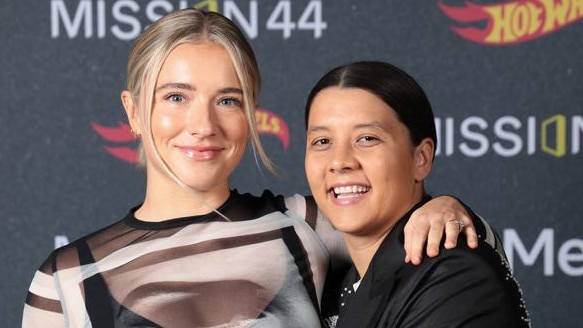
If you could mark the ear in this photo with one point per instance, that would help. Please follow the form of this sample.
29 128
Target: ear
131 109
423 159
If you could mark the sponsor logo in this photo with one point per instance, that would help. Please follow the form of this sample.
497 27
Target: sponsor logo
126 19
513 22
268 123
568 257
509 136
125 146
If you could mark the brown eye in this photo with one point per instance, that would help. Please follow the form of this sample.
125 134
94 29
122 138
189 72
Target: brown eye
368 140
321 142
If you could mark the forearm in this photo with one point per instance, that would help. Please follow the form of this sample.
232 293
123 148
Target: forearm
43 307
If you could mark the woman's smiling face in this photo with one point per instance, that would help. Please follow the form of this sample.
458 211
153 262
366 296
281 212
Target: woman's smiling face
198 121
361 165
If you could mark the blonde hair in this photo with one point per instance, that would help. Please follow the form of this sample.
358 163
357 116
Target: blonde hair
191 26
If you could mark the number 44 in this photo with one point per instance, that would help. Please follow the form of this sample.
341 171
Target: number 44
311 19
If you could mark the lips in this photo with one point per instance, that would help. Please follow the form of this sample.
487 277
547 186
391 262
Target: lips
201 152
348 191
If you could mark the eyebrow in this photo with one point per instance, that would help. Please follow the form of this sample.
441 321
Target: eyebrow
176 85
373 124
230 90
317 128
189 87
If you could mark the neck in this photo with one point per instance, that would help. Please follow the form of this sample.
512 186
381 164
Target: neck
165 200
362 250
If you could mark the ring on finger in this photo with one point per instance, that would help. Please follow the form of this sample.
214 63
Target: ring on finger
459 222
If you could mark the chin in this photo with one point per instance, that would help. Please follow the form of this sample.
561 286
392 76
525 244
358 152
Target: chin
343 225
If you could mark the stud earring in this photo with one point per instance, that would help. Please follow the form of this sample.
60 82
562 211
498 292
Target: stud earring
135 135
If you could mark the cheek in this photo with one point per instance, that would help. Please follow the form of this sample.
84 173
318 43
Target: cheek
163 125
238 129
314 170
382 167
394 172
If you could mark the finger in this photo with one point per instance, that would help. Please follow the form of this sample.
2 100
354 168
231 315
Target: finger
417 245
413 251
452 231
434 238
469 231
407 244
471 236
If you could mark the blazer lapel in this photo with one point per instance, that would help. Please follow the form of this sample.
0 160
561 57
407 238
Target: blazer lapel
369 302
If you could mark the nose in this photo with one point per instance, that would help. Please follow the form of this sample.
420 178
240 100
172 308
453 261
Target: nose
201 120
343 160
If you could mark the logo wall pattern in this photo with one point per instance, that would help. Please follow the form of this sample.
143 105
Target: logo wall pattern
504 78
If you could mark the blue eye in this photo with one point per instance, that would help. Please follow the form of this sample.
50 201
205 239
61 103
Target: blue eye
231 102
175 98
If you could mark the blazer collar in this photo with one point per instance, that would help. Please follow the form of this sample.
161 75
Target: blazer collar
378 282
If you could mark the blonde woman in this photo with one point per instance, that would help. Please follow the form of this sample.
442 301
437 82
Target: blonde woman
196 253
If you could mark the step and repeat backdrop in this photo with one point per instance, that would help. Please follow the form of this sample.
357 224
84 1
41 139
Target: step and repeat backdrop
505 78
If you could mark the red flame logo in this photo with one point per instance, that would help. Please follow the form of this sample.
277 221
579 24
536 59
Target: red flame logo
125 145
121 134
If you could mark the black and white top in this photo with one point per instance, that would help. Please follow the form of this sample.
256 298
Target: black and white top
461 287
264 268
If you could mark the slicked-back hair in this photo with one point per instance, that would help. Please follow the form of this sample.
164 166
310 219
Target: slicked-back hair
392 85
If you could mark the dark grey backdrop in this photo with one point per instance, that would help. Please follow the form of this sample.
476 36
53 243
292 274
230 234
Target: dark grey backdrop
512 114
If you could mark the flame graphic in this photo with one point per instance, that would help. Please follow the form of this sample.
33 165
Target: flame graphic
120 134
513 22
268 123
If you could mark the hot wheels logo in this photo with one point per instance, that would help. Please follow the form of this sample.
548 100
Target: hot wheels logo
513 22
125 145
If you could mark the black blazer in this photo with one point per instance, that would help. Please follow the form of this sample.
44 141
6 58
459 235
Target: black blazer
461 287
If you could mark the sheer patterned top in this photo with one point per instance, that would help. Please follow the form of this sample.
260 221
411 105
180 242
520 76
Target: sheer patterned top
264 268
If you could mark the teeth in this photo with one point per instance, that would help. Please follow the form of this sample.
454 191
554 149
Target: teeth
350 190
